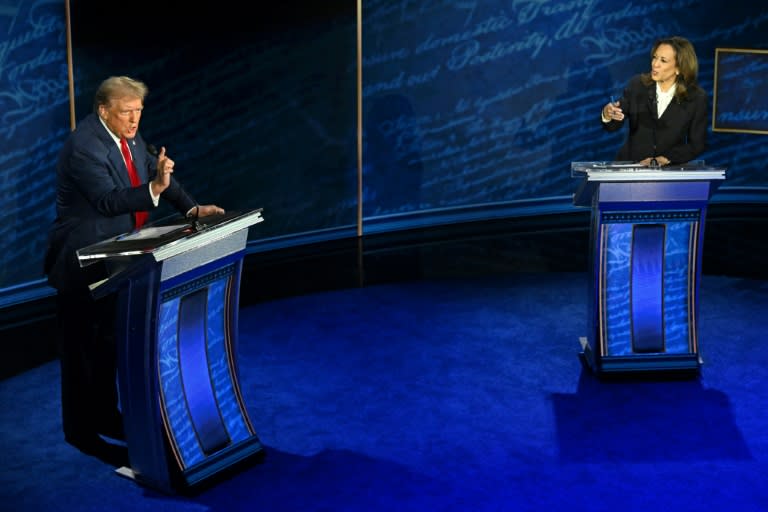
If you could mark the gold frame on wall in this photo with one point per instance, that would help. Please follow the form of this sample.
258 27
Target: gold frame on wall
718 53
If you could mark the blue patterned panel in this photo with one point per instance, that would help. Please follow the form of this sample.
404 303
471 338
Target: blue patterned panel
173 402
35 121
195 374
201 398
677 287
618 254
678 253
648 288
221 361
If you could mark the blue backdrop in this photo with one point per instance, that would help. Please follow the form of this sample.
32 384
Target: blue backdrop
34 108
489 101
470 108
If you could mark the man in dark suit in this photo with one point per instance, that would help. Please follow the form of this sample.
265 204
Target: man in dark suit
107 182
667 109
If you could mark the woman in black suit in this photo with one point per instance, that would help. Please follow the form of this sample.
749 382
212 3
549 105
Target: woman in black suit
666 108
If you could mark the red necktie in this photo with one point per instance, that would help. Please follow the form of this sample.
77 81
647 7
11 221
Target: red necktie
140 217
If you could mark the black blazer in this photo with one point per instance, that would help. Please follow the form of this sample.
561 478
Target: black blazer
680 134
95 199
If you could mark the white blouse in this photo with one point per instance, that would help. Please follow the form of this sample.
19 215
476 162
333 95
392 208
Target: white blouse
664 98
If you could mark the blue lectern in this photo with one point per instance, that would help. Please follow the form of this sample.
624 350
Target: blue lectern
178 287
646 244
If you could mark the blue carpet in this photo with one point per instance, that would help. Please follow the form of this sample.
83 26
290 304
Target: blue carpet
446 395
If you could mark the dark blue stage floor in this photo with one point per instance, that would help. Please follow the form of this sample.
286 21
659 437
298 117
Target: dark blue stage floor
447 394
440 372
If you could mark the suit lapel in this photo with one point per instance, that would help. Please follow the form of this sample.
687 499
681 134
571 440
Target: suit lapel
652 103
139 160
118 169
674 109
116 159
115 156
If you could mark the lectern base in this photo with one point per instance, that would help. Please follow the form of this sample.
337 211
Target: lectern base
217 468
682 364
126 472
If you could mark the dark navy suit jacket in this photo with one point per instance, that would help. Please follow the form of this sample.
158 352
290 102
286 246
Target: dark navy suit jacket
95 199
680 134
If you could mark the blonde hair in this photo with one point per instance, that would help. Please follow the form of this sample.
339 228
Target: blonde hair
119 87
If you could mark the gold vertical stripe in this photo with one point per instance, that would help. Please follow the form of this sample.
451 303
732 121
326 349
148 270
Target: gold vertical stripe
360 270
359 117
693 258
602 343
70 74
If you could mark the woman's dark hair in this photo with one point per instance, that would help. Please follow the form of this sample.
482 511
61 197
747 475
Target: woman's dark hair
687 65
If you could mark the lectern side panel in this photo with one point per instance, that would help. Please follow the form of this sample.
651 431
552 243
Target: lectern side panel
679 271
647 288
139 387
222 353
618 334
195 375
174 408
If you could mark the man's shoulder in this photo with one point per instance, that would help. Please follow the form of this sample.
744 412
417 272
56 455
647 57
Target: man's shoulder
89 130
88 140
87 126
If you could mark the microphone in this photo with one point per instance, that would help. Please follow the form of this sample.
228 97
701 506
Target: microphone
654 115
152 150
